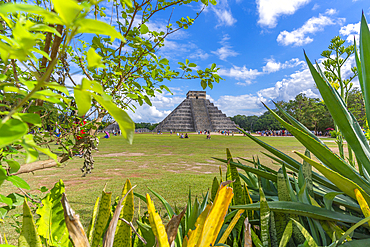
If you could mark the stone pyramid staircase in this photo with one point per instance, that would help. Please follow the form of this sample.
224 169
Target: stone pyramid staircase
201 117
196 113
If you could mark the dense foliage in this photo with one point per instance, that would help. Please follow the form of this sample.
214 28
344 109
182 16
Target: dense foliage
311 112
149 126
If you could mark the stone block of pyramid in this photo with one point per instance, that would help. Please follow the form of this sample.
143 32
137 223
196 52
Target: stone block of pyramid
196 113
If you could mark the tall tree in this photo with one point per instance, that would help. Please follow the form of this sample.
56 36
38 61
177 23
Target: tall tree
44 43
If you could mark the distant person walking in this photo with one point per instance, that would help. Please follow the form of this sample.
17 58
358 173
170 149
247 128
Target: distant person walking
107 135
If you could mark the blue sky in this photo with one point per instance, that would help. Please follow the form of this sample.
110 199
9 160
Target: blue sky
258 46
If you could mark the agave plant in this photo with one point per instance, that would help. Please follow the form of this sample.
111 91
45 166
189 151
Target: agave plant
199 224
325 208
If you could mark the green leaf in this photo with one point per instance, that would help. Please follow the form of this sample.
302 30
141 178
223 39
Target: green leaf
274 151
31 154
47 152
3 212
357 243
328 199
237 185
3 175
92 85
126 125
45 28
147 232
258 172
13 165
99 28
287 234
144 29
264 219
49 16
348 125
127 2
83 100
102 219
8 201
325 155
30 146
353 228
343 183
31 118
203 84
164 61
51 224
365 65
94 60
18 182
165 203
16 198
302 209
123 231
11 131
29 236
67 10
359 71
192 65
92 221
310 241
214 188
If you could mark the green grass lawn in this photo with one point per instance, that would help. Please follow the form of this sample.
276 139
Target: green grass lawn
167 164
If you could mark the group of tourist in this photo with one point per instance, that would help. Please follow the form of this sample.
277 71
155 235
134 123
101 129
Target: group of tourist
287 133
182 135
226 132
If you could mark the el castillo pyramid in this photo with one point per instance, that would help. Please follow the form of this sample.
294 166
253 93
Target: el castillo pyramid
196 113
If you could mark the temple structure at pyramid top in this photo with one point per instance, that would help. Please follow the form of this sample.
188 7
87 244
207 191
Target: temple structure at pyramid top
196 113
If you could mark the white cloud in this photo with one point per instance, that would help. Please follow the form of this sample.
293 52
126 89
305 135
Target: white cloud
162 105
273 66
199 54
301 82
270 10
286 89
240 73
225 17
223 14
331 11
315 7
247 104
226 50
351 31
300 36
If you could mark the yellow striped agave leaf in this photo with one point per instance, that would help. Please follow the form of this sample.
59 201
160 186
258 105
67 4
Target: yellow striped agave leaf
193 236
92 221
102 219
216 216
231 226
156 224
310 241
363 204
123 231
